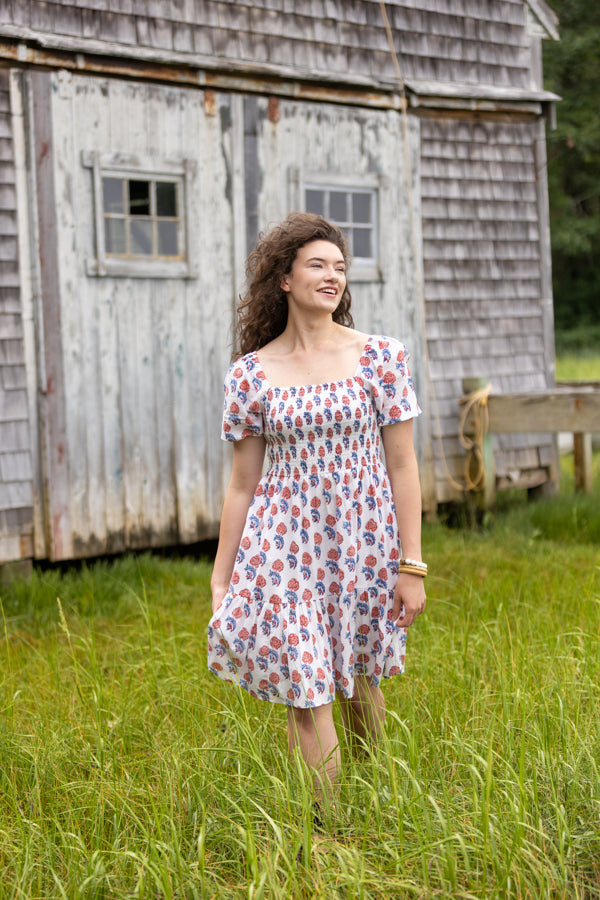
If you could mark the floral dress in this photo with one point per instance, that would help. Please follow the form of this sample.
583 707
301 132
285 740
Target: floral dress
310 599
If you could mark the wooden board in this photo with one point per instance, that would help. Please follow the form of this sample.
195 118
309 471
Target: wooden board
548 411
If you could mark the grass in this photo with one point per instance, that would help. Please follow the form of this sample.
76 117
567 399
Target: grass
126 770
578 355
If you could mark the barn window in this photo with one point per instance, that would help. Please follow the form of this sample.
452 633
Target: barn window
354 210
353 202
139 217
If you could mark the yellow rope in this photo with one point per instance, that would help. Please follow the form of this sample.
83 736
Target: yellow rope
477 401
477 405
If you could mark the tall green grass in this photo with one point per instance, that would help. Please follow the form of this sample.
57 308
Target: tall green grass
126 770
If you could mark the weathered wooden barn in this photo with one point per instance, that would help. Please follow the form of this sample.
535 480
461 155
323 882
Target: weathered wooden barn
144 145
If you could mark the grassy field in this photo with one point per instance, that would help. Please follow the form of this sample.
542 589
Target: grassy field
127 771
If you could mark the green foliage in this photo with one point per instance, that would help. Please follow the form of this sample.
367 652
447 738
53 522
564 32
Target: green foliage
127 770
572 69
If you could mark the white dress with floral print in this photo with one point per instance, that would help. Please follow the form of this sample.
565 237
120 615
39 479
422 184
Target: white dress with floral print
310 598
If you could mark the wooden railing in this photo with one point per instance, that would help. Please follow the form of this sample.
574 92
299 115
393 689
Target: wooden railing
569 407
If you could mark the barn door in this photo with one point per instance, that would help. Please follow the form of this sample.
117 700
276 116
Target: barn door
136 290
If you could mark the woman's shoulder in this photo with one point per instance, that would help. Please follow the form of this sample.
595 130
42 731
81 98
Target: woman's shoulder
385 347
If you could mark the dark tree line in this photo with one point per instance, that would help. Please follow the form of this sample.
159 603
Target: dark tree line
572 69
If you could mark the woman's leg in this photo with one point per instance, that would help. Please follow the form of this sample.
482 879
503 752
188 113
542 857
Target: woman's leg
313 731
364 714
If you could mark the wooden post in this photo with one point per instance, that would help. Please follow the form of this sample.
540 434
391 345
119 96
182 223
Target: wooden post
487 495
582 458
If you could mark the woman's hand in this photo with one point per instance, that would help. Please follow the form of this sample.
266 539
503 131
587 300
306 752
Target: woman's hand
219 592
409 599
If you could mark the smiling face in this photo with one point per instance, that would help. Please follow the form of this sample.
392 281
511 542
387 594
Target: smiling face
317 279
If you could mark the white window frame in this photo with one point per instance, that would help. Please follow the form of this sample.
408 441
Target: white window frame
362 268
137 167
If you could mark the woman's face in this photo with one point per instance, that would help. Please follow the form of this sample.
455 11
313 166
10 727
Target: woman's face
317 279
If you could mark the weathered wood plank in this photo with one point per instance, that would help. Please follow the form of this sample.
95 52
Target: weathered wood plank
549 411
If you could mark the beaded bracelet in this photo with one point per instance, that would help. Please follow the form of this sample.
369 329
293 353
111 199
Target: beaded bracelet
413 567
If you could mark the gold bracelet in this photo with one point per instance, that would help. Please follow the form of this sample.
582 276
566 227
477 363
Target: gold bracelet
412 566
413 570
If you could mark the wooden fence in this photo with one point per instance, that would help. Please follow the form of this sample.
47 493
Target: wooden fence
569 407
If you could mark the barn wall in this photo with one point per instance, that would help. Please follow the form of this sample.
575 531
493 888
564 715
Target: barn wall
470 42
142 358
484 258
16 515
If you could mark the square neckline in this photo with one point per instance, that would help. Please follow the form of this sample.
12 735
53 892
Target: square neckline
318 384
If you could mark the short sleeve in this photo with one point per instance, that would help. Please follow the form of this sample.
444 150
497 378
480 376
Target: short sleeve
395 397
242 407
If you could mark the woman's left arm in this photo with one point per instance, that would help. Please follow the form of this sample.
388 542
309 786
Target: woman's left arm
403 473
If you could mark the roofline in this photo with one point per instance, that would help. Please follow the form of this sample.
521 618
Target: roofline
546 17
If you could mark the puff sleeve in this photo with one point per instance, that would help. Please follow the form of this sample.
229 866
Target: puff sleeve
395 398
242 406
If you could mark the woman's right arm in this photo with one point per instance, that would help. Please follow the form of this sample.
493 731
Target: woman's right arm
248 457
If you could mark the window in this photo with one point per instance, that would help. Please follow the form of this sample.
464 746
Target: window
140 217
354 210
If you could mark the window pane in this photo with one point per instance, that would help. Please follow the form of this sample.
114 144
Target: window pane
139 198
167 239
338 207
166 198
140 237
114 236
361 208
315 201
362 242
112 195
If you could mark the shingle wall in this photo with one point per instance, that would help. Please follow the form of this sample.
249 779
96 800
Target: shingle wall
15 457
469 41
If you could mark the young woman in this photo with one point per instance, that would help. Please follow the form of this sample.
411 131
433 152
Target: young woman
318 572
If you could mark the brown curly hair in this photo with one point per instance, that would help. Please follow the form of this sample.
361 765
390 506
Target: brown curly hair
263 311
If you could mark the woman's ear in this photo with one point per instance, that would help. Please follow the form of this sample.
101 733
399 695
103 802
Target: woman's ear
284 284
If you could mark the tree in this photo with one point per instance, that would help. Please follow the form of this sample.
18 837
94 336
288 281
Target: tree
572 69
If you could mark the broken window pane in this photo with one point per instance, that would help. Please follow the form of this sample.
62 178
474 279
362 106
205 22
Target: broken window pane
139 198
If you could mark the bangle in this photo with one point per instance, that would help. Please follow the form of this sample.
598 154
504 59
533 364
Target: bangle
413 567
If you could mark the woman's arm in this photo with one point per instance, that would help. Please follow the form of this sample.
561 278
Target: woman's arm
248 456
403 473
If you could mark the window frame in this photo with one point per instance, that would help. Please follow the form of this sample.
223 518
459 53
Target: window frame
139 168
363 268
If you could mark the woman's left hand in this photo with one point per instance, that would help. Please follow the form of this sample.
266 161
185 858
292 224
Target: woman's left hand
409 599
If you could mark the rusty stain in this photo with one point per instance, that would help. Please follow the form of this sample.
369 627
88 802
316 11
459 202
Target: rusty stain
273 109
44 150
50 384
60 452
210 103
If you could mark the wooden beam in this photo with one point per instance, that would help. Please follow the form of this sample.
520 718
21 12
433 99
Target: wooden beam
582 459
551 412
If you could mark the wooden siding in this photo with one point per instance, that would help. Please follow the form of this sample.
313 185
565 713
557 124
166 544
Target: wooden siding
132 420
15 451
469 42
483 260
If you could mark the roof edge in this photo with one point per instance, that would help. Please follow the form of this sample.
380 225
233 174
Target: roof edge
546 17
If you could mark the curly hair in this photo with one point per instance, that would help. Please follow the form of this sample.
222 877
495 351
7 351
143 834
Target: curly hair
263 311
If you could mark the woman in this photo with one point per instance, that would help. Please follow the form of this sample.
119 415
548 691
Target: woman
311 597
